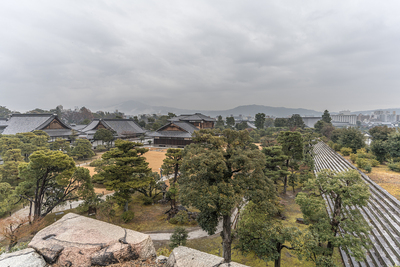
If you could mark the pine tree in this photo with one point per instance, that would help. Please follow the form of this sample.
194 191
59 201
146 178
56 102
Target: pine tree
128 171
219 171
326 117
346 190
179 237
171 165
275 168
292 147
82 149
260 120
261 233
51 178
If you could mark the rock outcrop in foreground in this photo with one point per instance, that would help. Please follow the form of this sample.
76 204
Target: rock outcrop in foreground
184 257
76 240
23 258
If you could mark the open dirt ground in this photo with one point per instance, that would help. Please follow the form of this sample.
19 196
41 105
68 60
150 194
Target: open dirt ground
154 157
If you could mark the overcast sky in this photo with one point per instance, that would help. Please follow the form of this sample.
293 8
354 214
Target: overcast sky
207 55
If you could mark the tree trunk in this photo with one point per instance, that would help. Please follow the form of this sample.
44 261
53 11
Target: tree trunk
285 179
176 173
278 260
335 222
284 184
126 206
226 238
30 212
36 210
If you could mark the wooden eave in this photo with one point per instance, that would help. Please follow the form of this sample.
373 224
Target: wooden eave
51 120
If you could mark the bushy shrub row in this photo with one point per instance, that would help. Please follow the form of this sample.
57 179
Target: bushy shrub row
394 166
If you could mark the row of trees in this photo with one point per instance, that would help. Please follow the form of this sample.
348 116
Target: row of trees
81 115
261 122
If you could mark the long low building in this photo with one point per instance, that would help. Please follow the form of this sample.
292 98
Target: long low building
351 119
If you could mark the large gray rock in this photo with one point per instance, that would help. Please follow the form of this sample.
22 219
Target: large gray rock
76 240
23 258
184 257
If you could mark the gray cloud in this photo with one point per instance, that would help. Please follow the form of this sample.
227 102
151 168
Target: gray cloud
200 54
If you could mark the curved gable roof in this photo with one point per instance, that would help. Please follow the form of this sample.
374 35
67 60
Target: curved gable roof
22 123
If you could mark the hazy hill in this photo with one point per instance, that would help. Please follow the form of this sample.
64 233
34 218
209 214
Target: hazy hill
135 107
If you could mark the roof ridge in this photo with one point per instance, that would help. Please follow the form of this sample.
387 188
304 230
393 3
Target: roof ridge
31 114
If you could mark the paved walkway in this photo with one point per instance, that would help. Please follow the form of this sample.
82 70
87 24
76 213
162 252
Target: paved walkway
199 233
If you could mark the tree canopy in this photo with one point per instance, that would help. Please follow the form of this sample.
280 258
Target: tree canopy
296 121
351 137
104 135
281 122
230 122
220 122
260 120
82 149
381 132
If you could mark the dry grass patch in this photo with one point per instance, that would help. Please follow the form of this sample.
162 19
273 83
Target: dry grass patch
386 178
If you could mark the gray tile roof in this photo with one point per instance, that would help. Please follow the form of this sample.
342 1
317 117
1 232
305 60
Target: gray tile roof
22 123
190 128
187 130
122 127
78 127
93 124
192 117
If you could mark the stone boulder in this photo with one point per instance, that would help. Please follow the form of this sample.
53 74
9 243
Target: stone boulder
23 258
76 240
184 257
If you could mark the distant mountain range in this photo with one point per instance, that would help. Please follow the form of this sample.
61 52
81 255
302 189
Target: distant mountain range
135 108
